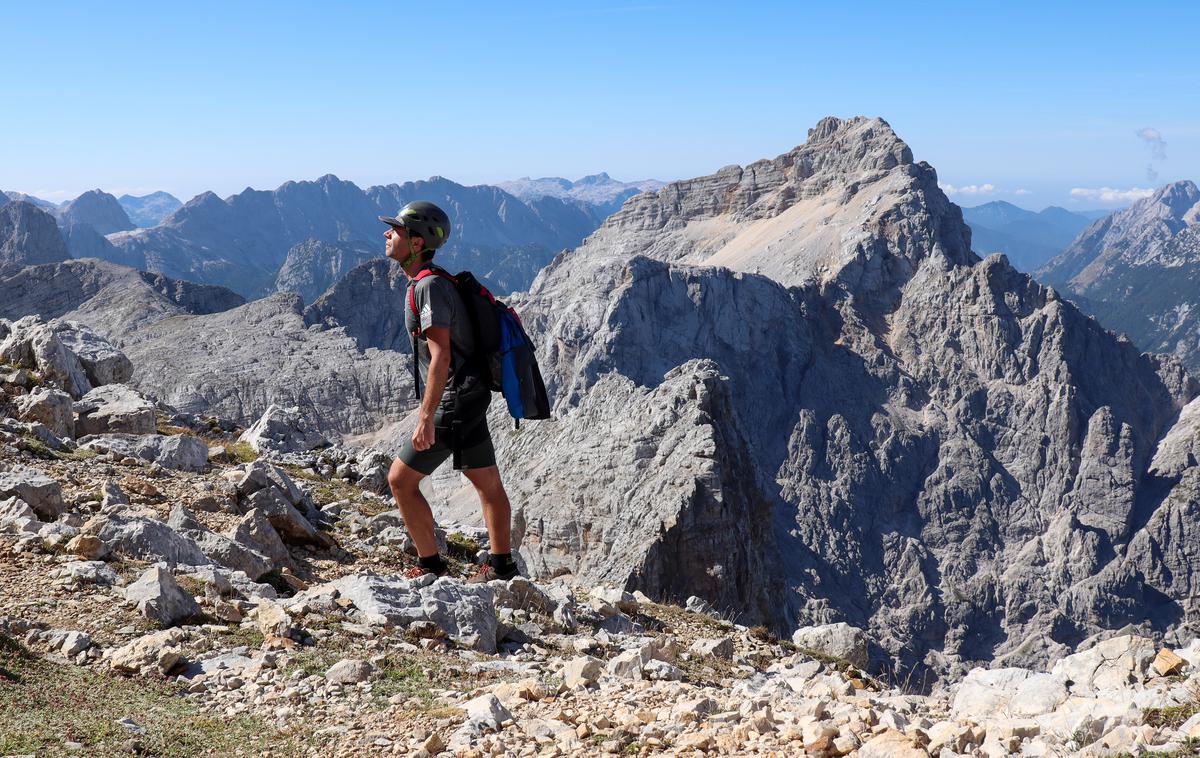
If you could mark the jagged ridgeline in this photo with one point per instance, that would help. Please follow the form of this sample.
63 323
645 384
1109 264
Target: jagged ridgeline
792 389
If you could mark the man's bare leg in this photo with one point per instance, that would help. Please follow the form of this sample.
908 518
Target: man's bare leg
497 513
405 482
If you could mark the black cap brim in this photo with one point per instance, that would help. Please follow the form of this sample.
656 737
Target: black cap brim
393 221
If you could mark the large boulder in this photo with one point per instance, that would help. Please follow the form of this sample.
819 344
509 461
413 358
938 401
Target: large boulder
463 611
114 409
48 406
147 539
1112 664
32 343
256 532
160 598
155 653
102 362
282 430
43 494
838 640
181 452
222 550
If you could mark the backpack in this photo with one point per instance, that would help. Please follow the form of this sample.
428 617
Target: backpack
504 353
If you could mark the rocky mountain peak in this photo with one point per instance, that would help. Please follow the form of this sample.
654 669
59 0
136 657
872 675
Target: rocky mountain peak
849 204
99 210
29 236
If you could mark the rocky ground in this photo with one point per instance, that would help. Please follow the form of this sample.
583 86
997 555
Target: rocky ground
172 585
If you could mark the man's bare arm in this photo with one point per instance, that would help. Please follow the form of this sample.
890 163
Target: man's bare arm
439 369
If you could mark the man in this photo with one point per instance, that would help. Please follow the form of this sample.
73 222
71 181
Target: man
452 420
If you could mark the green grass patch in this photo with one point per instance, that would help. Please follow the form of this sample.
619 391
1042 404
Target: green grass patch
38 449
240 452
410 676
43 705
462 547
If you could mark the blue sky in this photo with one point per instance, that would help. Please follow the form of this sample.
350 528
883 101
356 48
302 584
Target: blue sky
1017 101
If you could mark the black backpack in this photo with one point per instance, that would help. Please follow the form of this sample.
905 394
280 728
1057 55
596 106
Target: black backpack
504 353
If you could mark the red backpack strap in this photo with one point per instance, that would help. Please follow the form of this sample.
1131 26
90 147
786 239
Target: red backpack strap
412 296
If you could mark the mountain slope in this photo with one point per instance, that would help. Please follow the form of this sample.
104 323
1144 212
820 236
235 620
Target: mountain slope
114 300
1138 269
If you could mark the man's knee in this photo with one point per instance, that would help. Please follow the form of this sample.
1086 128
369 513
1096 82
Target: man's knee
487 481
403 478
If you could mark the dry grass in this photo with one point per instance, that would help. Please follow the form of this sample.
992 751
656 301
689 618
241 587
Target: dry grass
44 705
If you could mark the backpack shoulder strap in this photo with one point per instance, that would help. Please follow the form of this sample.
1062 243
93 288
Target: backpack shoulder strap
412 293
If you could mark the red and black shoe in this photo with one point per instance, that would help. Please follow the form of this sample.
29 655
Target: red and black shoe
417 572
487 573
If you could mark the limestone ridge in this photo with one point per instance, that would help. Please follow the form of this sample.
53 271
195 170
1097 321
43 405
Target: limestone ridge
1136 271
114 300
28 236
953 456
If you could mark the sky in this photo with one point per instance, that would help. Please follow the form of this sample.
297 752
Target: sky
1077 105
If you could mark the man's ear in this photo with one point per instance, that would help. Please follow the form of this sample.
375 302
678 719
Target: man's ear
418 243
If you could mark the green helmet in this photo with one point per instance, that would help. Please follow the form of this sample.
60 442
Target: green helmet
425 220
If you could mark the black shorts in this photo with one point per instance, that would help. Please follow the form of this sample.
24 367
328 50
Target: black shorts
459 426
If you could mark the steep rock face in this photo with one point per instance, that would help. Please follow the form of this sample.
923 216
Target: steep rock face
312 266
114 300
149 210
368 303
29 236
239 362
1136 272
954 458
241 242
97 209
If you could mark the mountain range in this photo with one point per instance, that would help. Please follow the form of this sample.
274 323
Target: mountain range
1138 271
1029 239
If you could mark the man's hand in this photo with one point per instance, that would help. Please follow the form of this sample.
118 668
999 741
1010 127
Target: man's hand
422 436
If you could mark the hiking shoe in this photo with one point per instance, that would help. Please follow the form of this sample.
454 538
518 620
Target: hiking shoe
488 574
417 571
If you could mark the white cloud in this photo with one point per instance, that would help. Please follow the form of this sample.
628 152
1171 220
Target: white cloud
969 189
1111 194
1023 191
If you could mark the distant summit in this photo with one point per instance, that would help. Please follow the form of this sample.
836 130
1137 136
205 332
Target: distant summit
1028 239
149 210
97 209
600 191
1136 271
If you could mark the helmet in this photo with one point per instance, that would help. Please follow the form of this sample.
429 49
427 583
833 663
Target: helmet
425 220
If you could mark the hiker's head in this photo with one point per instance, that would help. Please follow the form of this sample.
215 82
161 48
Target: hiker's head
416 232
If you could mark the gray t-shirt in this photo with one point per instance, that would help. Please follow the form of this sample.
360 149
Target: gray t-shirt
438 304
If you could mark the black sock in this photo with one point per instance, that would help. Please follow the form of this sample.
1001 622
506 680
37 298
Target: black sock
433 563
502 562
